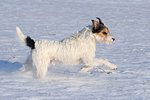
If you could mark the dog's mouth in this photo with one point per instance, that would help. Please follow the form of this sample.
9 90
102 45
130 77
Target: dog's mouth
108 41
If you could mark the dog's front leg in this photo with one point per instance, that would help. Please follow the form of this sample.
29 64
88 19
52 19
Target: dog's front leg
95 62
86 68
105 62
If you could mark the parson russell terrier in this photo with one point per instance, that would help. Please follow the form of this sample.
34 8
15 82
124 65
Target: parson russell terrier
76 49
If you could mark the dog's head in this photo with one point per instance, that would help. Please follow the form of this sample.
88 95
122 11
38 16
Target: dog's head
101 32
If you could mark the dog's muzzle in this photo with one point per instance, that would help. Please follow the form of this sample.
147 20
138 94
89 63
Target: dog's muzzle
113 39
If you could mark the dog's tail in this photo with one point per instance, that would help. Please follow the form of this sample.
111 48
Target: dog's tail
25 39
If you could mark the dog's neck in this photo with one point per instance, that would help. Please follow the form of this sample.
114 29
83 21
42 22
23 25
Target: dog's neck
86 32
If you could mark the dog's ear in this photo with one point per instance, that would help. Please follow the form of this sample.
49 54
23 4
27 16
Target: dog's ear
100 21
95 24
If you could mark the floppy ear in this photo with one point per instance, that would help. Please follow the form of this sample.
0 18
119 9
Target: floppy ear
95 24
100 21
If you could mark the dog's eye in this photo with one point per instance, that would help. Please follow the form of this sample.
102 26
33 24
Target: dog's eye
104 33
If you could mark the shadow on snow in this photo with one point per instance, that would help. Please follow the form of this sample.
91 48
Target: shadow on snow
6 66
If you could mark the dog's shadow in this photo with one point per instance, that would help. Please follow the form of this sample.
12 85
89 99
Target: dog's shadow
8 67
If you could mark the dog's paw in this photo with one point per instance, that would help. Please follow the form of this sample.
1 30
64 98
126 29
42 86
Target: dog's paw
112 66
22 69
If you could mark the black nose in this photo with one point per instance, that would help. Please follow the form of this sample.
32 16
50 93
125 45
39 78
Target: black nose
113 39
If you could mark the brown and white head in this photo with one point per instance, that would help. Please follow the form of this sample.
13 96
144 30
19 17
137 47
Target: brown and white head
101 32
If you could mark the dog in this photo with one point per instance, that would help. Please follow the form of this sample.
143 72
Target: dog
76 49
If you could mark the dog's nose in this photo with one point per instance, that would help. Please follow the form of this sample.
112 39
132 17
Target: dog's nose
113 39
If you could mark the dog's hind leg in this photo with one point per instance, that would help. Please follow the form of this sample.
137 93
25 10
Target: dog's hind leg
41 64
28 64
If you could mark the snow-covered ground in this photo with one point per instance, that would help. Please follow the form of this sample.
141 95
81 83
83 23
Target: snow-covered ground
129 23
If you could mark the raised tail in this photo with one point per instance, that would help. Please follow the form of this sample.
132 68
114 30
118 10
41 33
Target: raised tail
25 39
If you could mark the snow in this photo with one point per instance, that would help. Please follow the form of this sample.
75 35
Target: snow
129 23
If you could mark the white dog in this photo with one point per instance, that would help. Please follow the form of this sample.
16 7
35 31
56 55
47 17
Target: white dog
78 48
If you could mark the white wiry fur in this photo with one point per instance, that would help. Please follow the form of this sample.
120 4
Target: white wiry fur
79 48
20 35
